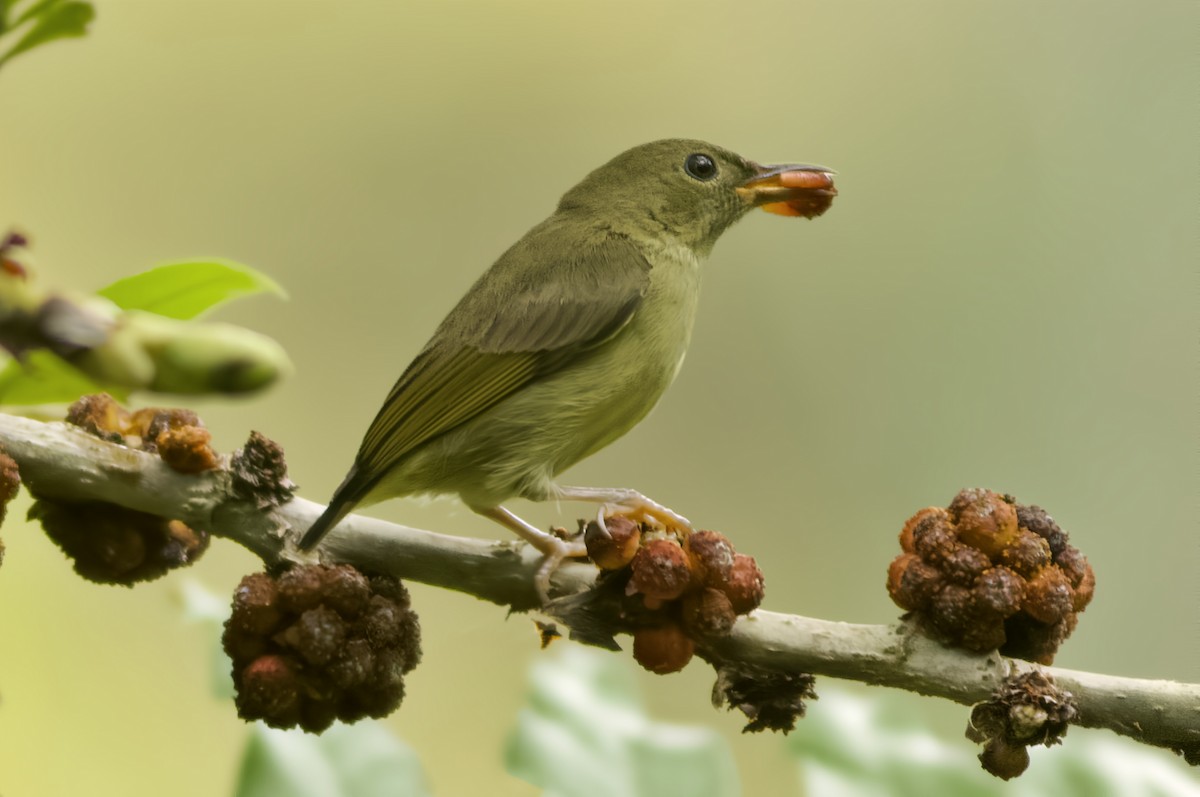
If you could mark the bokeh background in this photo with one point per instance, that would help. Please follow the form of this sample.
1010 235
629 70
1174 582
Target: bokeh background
1003 295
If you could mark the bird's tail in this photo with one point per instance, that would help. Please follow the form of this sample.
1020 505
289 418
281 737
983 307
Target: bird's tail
345 498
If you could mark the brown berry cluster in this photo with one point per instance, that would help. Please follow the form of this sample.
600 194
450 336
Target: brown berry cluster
678 591
177 435
113 545
1027 709
320 643
987 573
10 482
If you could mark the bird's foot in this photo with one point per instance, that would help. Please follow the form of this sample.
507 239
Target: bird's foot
554 549
647 511
554 552
630 504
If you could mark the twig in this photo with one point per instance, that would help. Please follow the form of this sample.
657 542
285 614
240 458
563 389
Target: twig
63 462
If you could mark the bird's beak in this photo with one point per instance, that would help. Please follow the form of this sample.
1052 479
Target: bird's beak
794 189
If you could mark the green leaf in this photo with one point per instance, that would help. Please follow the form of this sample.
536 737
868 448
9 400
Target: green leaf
584 733
35 10
56 20
362 760
5 8
176 290
45 379
185 290
1096 762
875 747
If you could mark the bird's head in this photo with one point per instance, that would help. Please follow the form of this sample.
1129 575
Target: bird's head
694 191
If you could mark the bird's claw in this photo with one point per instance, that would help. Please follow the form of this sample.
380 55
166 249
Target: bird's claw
601 514
646 511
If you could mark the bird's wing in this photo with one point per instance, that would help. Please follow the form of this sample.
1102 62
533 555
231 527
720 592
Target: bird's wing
528 317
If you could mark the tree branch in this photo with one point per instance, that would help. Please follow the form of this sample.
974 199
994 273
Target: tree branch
63 462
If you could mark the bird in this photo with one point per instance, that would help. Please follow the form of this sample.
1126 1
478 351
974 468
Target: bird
566 342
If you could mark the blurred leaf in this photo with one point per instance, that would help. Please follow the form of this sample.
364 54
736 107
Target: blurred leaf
176 290
45 379
873 747
1101 763
362 760
584 733
36 9
185 290
52 19
201 605
852 745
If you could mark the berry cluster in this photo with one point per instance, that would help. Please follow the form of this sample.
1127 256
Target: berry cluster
113 545
177 435
320 643
988 573
677 591
1027 709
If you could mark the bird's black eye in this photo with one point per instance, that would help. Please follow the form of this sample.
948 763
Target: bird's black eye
700 166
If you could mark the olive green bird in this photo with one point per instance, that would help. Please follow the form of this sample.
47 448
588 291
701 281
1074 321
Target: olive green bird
567 341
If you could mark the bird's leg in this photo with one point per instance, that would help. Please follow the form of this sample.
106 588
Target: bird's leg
554 550
626 502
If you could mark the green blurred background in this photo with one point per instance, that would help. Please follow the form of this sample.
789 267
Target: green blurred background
1003 295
